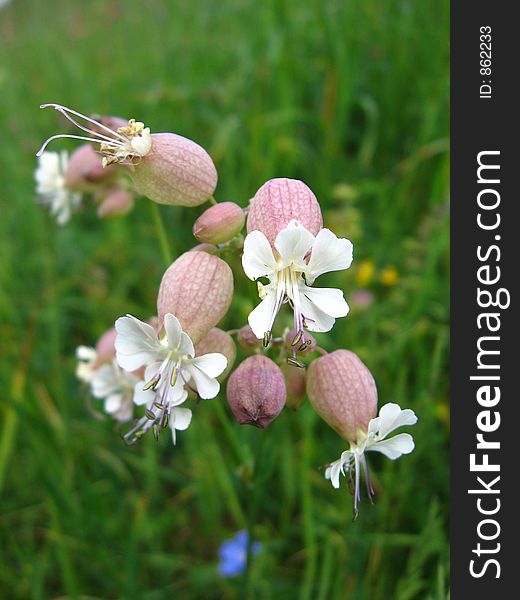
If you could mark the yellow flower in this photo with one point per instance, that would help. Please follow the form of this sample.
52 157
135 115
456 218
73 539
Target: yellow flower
365 272
389 276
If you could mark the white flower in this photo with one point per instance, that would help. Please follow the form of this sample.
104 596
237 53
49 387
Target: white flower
299 259
51 187
171 366
117 387
390 417
87 358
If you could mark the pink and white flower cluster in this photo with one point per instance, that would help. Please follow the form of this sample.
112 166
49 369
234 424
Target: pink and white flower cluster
157 368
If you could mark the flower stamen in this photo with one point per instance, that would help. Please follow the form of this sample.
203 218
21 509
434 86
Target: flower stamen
125 145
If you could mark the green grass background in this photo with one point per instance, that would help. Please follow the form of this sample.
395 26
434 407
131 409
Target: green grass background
352 97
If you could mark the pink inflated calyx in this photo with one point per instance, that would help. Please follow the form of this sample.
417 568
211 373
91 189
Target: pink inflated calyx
197 288
219 223
278 202
165 167
114 202
175 171
343 392
247 339
218 340
296 342
85 171
256 391
105 349
295 383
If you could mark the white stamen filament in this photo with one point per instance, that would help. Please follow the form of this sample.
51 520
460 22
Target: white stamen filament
117 146
287 290
64 111
74 137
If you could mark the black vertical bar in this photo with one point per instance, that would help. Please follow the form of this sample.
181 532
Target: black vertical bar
485 110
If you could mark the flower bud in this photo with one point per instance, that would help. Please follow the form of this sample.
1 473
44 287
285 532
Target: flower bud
295 384
247 339
209 248
256 391
343 392
302 342
115 201
220 341
219 223
175 171
279 201
105 349
85 169
197 288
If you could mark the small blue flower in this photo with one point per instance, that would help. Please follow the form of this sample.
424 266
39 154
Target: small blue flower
233 554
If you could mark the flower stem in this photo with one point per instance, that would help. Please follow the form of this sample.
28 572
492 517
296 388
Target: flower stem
251 516
161 233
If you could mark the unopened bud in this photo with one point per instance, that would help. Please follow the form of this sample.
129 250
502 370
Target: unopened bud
295 384
256 391
247 339
115 202
279 201
85 169
301 341
105 349
176 171
197 288
219 223
209 248
343 392
220 341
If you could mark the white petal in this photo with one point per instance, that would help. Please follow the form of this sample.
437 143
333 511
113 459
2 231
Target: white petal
151 371
177 339
337 468
181 398
113 403
136 343
125 412
142 396
213 364
293 243
173 330
329 253
86 353
261 318
105 381
328 300
182 418
315 319
394 447
207 387
186 345
390 418
258 259
333 472
84 372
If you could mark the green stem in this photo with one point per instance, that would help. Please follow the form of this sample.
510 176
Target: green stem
161 233
251 517
307 422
